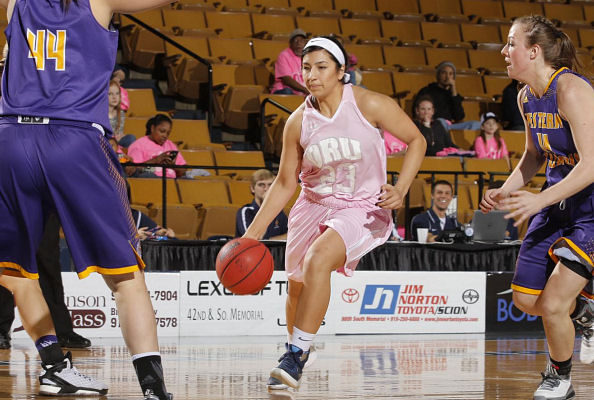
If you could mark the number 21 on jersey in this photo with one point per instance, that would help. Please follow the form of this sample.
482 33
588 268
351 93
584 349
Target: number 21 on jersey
47 45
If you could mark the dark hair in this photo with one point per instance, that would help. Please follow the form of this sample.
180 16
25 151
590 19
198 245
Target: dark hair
421 98
441 182
311 49
156 121
558 50
497 136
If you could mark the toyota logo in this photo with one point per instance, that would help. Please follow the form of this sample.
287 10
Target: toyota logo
470 296
350 295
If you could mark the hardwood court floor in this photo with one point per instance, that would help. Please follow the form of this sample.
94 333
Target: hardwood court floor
348 367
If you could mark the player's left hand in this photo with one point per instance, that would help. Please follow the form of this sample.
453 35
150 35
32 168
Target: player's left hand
522 204
390 198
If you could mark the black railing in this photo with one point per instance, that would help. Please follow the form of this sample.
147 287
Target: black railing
210 106
263 117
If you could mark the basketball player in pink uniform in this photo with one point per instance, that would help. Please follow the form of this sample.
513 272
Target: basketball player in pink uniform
333 144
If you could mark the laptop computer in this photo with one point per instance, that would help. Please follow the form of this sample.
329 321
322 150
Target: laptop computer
489 227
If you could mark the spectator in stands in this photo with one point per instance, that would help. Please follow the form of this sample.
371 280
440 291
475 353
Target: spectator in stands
147 228
156 148
436 136
287 69
489 143
447 101
117 116
435 218
120 74
260 183
509 105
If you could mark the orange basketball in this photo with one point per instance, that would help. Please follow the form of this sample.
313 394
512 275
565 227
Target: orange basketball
244 266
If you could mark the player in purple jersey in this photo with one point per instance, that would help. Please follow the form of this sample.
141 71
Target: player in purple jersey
556 258
333 144
55 156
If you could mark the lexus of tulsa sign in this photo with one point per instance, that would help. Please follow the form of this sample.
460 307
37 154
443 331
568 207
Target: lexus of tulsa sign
208 309
409 302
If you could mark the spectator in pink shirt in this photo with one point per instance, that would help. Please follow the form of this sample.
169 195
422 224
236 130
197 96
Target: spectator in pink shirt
156 148
489 144
287 69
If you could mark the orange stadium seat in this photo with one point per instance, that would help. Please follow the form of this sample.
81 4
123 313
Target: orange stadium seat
378 81
232 24
514 9
480 33
441 32
319 25
190 132
485 165
493 61
241 106
142 103
494 84
412 82
153 18
272 24
149 191
232 159
360 28
589 12
404 56
184 219
401 30
205 192
183 19
241 192
457 56
564 12
464 138
443 9
218 221
268 50
438 164
354 5
483 9
369 55
469 85
135 126
515 142
202 158
399 8
313 5
196 44
144 49
231 50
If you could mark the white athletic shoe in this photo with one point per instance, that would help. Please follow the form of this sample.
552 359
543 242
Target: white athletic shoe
554 386
587 348
64 379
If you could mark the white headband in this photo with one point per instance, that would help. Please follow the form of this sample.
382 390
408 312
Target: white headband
329 46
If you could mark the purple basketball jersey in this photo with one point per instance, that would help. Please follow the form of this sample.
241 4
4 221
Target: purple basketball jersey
551 133
55 67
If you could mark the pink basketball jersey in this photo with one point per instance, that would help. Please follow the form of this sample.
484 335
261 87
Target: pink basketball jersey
344 160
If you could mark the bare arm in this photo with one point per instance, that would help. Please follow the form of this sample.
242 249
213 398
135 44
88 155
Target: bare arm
104 9
286 181
383 112
293 84
531 160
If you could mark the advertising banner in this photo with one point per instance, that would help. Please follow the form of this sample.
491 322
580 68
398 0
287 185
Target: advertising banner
93 309
208 309
502 314
409 302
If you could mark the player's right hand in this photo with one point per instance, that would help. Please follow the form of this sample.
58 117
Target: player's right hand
491 199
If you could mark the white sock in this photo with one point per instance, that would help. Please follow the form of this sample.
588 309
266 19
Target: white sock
302 339
288 338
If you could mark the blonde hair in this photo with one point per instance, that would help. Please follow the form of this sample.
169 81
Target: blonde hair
260 175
